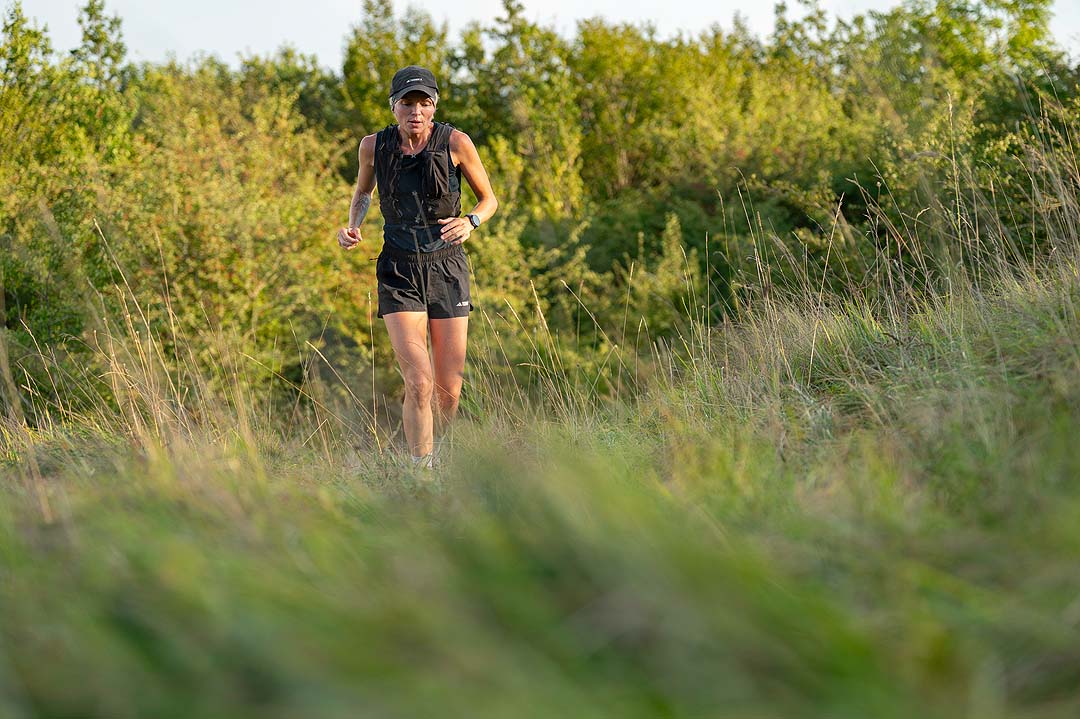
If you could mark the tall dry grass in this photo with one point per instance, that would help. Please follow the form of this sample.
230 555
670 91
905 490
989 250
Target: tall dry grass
843 502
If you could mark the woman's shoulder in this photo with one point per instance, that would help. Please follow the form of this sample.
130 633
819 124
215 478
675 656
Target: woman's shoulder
459 141
367 148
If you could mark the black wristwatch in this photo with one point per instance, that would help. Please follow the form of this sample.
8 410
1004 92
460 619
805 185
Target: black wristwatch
474 219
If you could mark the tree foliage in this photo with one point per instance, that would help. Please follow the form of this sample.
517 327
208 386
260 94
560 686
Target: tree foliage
629 166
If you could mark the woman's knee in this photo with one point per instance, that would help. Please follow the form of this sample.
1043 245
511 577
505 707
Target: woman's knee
449 384
419 388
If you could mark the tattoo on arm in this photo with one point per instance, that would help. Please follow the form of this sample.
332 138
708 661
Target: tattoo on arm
360 206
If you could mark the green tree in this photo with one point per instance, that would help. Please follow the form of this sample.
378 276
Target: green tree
379 46
65 124
528 96
319 94
230 209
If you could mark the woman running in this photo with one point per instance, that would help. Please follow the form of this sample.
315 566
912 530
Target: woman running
422 270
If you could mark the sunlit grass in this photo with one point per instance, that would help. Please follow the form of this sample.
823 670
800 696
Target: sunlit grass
846 504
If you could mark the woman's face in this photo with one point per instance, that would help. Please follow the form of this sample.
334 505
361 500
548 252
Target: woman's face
414 112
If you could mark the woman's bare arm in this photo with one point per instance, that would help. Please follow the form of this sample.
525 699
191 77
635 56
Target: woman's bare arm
468 159
457 229
349 237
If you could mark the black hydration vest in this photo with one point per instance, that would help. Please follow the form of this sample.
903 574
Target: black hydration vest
436 196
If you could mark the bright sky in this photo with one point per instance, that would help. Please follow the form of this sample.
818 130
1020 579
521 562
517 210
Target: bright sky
232 28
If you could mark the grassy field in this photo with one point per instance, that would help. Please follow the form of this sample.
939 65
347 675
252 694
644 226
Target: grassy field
857 503
856 497
823 510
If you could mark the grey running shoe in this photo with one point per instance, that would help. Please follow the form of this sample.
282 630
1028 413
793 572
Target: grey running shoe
425 462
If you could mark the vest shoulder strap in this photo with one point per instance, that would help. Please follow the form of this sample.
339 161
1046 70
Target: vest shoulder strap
440 136
387 138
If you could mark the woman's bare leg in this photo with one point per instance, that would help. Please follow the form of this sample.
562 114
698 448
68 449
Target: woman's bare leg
448 339
408 336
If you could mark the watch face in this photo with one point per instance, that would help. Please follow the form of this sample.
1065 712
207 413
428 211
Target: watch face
474 219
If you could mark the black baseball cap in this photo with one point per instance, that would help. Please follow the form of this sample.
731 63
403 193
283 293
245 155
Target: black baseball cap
413 79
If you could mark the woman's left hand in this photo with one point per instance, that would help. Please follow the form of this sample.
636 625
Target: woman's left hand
456 229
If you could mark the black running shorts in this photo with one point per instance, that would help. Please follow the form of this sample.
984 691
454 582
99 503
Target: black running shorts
433 282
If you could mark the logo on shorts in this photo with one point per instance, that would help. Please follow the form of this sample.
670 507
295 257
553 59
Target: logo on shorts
462 304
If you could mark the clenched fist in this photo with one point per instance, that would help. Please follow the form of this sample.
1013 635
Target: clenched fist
349 237
455 230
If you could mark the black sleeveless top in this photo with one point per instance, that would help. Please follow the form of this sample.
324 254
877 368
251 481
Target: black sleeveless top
416 190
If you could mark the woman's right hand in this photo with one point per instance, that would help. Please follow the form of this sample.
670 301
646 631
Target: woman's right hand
349 237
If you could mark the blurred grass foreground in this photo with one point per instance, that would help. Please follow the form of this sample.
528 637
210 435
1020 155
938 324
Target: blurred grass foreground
827 508
847 487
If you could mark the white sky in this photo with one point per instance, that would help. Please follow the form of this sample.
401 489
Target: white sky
230 29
